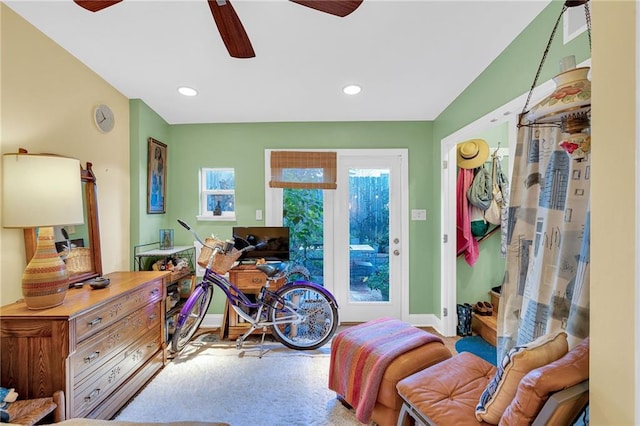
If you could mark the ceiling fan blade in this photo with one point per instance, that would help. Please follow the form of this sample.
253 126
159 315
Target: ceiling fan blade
96 5
335 7
233 35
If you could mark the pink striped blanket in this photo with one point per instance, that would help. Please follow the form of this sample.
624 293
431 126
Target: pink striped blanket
361 354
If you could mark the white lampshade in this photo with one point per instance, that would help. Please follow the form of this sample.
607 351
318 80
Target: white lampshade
40 190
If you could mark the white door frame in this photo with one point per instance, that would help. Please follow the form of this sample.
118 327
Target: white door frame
273 204
507 113
396 161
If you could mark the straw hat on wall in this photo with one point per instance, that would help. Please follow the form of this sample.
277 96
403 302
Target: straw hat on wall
472 153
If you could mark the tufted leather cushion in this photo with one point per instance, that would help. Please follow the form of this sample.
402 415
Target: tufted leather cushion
447 393
405 365
516 364
535 387
388 403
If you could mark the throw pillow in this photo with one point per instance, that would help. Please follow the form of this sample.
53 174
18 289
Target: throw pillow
538 384
516 364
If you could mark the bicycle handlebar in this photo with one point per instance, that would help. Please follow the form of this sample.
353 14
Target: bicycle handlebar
188 228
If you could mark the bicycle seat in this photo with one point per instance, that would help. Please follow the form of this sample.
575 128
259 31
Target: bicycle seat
271 269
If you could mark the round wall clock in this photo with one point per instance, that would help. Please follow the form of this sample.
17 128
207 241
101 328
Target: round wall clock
104 118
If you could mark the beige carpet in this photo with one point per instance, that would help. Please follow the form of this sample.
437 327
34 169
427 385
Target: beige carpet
213 381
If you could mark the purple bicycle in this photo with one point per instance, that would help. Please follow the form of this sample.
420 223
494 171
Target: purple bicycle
301 315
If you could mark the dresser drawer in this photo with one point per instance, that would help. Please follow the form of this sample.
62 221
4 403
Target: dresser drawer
88 394
100 347
248 280
98 319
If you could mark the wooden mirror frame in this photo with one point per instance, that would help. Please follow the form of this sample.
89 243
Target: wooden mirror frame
91 208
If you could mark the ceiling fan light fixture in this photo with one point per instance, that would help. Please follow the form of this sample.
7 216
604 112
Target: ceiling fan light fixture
187 91
351 89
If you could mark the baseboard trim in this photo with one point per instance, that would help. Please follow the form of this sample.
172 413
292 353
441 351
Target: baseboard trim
418 320
212 321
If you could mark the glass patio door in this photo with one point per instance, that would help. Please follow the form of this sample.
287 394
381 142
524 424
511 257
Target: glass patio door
352 239
368 237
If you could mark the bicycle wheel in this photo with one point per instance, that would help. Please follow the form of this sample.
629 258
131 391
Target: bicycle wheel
319 312
190 317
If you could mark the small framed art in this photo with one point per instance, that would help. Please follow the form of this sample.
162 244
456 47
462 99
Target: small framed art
156 177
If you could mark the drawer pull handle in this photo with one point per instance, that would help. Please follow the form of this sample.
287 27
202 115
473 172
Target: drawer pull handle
91 357
256 280
155 292
94 322
152 317
94 393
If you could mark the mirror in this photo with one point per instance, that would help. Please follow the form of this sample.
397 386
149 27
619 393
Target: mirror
82 248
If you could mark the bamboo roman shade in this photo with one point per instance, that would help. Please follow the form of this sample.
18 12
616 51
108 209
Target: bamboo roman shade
303 170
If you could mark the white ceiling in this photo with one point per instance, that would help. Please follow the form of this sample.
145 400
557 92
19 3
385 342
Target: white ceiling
412 58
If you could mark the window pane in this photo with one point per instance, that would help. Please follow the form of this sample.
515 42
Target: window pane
369 235
303 175
302 212
225 203
217 179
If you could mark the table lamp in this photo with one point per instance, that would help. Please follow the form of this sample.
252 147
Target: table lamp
42 190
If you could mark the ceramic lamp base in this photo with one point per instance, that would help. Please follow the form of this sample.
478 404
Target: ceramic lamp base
45 280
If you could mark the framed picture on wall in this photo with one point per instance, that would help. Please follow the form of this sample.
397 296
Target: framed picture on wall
156 177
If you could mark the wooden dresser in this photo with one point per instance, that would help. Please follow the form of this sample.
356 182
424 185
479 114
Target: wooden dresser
100 346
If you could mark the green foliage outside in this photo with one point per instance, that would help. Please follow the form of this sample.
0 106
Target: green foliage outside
379 280
303 214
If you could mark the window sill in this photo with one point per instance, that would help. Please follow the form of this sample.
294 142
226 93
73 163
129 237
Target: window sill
225 218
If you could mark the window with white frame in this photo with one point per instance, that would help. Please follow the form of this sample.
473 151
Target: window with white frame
217 194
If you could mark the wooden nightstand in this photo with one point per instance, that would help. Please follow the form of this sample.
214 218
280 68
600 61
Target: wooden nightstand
249 280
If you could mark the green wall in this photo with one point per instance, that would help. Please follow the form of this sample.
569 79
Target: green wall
242 146
474 283
145 123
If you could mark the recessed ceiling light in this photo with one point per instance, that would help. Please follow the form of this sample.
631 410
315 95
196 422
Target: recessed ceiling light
352 89
187 91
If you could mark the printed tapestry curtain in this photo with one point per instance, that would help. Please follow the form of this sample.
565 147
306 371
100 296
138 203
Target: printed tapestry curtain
546 283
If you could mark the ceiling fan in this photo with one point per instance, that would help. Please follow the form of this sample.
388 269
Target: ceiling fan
233 35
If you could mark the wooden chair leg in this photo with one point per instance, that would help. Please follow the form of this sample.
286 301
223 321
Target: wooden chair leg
60 413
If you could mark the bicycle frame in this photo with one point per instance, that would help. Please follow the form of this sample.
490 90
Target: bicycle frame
237 299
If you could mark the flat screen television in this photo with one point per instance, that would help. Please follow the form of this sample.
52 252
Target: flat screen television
272 242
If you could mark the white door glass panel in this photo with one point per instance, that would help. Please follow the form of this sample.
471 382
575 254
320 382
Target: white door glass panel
368 237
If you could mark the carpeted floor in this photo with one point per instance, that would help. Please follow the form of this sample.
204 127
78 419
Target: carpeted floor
212 381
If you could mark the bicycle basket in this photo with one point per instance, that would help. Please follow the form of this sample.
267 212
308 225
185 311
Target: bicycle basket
206 252
221 262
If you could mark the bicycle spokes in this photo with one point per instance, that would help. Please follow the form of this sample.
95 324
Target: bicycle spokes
316 318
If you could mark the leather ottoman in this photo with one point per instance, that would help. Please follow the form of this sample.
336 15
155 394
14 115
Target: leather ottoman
349 356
